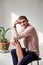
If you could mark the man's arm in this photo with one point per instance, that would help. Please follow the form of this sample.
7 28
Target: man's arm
25 33
15 30
19 52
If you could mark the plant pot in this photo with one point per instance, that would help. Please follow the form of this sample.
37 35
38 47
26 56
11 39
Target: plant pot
4 45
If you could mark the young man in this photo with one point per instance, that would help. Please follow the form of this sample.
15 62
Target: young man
31 50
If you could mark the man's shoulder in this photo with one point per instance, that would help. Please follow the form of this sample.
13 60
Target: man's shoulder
30 27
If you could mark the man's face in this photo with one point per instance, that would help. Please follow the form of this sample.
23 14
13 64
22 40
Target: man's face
23 23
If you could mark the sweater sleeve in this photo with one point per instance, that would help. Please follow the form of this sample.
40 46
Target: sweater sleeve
26 32
23 34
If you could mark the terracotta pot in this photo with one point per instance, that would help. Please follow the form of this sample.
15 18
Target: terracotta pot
4 45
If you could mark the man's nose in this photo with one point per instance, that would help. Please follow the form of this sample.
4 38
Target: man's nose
22 23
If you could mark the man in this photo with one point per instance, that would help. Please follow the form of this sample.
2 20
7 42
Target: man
29 35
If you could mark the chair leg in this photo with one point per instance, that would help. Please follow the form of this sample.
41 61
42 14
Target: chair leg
37 62
31 63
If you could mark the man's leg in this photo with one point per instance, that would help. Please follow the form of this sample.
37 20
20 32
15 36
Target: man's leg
17 54
14 57
24 53
28 58
19 51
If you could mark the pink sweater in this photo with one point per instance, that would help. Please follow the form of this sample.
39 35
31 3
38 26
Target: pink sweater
30 39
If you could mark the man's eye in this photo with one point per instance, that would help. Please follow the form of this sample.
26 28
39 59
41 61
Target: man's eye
19 22
23 21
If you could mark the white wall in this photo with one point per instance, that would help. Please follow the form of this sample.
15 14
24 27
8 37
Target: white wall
33 9
1 13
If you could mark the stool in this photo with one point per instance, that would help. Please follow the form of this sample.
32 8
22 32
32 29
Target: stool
37 61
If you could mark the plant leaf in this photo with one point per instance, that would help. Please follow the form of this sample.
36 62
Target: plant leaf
7 29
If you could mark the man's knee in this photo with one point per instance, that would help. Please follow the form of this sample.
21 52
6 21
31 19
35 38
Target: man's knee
22 62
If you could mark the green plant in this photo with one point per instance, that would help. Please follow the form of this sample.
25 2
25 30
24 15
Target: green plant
3 33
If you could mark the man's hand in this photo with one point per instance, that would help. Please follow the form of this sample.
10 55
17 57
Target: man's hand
13 41
16 22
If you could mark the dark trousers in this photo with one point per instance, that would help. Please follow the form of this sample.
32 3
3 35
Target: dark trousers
28 57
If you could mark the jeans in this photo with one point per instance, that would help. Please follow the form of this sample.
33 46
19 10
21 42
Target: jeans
28 57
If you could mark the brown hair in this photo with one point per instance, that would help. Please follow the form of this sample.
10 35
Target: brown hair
23 17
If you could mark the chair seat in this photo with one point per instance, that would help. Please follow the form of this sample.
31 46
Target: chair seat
37 59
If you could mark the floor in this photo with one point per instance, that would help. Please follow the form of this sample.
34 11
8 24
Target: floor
6 59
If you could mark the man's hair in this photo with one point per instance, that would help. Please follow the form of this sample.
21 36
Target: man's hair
23 17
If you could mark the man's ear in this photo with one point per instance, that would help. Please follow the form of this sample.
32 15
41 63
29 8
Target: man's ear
28 20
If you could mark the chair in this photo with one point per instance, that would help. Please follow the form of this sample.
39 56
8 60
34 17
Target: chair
37 61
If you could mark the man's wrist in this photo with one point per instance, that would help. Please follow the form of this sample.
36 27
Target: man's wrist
14 26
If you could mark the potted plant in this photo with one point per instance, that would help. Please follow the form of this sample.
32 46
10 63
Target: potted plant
4 43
